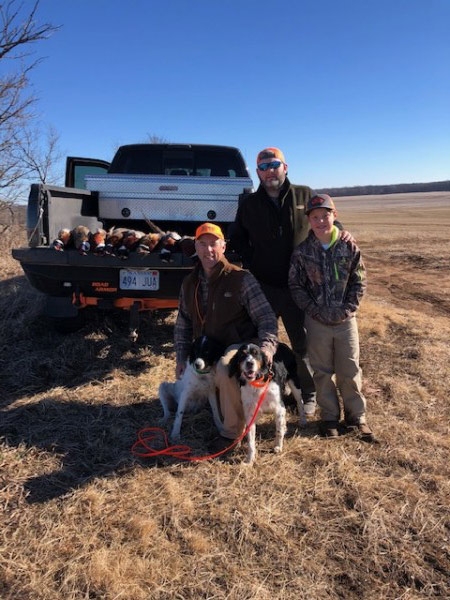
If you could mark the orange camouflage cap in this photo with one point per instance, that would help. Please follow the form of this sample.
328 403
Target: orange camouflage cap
209 228
270 153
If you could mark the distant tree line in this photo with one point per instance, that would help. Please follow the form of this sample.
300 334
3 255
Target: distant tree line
399 188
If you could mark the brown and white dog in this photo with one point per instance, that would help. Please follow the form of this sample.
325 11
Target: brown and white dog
196 386
249 365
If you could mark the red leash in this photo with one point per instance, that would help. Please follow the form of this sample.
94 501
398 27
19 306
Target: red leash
143 448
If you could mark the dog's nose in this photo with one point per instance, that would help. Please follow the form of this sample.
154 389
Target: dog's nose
199 364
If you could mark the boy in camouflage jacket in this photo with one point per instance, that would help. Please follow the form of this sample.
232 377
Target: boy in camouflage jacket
327 279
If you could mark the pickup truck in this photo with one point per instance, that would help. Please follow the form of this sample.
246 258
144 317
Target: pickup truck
170 187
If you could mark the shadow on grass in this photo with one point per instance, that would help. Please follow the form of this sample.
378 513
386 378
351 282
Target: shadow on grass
36 359
91 440
95 440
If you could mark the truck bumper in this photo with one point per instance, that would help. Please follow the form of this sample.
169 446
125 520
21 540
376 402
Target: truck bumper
95 280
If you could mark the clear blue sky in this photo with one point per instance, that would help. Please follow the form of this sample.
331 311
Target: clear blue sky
354 91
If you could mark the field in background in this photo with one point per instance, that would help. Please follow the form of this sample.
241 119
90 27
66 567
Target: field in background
405 242
82 519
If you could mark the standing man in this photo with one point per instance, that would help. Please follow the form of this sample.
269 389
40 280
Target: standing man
225 302
269 224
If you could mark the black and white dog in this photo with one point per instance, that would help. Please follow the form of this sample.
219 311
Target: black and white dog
196 386
249 366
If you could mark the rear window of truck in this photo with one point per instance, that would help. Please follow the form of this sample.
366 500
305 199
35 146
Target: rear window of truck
192 161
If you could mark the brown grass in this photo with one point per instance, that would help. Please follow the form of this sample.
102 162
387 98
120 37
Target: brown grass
82 519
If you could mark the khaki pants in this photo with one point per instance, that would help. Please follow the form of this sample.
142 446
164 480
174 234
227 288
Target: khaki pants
334 356
229 397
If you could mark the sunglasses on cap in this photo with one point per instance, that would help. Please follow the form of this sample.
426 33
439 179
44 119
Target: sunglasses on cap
275 164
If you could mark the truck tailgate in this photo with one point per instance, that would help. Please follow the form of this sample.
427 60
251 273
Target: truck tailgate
67 273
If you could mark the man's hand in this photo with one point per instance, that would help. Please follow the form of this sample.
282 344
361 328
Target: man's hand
346 236
269 358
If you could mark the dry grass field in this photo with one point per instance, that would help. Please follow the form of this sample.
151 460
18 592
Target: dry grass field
81 518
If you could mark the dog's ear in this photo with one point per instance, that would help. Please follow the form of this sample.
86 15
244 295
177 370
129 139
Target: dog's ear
233 365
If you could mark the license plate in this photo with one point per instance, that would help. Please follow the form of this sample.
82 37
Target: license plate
139 280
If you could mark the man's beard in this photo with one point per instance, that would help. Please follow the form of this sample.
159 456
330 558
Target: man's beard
273 185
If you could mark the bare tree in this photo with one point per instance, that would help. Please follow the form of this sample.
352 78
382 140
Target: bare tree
37 152
19 154
156 139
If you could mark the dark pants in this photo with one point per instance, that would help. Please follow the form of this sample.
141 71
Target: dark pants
293 320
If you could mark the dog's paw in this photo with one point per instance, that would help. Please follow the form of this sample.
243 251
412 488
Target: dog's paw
249 459
278 449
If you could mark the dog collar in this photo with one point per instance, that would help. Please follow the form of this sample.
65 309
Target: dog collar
261 382
202 372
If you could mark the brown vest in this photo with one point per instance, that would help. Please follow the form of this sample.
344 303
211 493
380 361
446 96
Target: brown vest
225 319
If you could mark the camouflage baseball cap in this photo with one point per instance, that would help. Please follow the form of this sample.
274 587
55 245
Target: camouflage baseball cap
320 201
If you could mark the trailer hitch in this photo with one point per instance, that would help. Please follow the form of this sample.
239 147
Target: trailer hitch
134 322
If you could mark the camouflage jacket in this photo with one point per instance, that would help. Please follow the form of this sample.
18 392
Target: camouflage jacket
327 284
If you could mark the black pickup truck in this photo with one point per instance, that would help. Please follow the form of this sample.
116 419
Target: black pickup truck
173 187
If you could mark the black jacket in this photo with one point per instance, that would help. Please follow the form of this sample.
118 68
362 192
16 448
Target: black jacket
265 235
